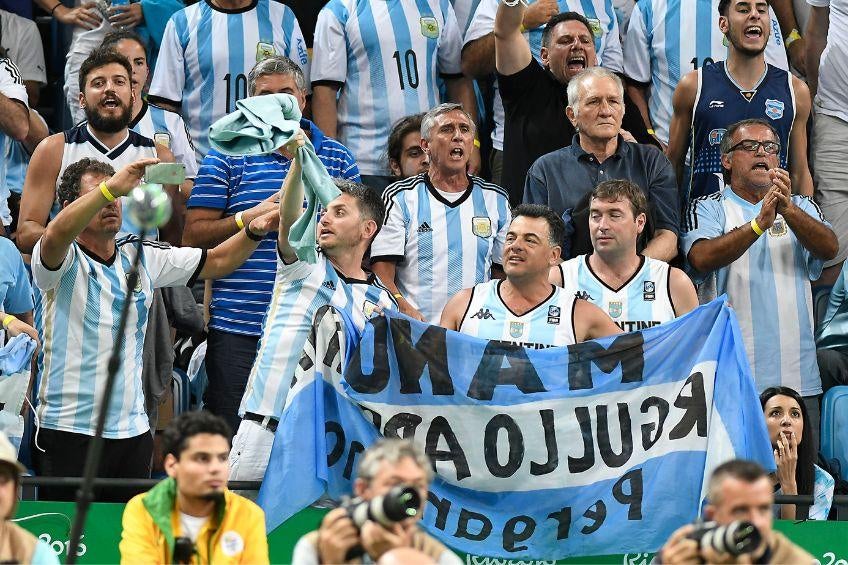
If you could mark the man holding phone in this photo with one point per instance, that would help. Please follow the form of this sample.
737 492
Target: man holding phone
107 96
81 271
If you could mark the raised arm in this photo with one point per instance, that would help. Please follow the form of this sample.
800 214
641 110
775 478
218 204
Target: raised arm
512 51
291 203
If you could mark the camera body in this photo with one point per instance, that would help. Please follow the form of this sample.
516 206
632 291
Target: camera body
735 538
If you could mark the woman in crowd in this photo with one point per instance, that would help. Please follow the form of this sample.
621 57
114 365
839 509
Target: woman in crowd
794 453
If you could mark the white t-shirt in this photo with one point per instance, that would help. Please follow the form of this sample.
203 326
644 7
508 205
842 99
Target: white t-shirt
832 95
190 525
22 41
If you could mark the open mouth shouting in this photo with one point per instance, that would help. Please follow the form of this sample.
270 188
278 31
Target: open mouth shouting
576 63
753 32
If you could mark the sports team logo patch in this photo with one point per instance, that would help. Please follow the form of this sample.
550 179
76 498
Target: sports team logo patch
137 288
264 50
595 26
553 315
716 135
516 329
429 27
162 138
774 109
231 543
368 308
481 226
614 308
778 228
649 291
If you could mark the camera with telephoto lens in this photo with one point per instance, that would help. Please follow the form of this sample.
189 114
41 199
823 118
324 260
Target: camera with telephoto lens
400 503
735 538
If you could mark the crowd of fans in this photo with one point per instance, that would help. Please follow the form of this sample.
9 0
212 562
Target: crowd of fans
642 157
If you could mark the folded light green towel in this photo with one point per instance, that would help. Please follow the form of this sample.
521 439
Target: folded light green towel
262 124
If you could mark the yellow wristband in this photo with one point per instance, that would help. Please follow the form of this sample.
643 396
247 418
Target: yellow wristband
522 29
239 220
793 36
756 227
8 320
477 143
104 190
651 132
397 296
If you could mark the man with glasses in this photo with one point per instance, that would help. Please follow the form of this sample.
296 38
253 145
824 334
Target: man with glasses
764 245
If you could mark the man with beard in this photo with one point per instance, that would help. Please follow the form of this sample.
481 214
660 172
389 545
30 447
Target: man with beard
707 100
107 95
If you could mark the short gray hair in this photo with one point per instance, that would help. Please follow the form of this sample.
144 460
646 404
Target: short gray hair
276 65
727 138
392 451
576 83
429 120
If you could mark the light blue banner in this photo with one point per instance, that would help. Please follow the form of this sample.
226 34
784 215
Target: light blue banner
597 448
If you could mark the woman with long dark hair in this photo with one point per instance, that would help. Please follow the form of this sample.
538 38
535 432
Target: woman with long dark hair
794 452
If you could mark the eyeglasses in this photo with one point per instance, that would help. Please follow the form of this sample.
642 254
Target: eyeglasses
752 145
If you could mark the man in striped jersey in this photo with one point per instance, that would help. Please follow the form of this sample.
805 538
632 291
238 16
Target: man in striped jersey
764 246
636 291
162 126
14 118
525 309
107 96
81 272
208 49
668 38
230 191
376 62
444 229
337 278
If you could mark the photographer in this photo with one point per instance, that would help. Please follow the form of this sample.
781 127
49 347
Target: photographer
191 517
738 490
386 464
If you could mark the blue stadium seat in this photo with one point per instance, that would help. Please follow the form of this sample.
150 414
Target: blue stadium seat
834 427
181 389
821 296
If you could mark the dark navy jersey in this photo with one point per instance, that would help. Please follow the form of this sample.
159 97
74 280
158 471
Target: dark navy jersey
719 103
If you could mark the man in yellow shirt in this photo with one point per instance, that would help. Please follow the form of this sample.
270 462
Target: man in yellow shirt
191 517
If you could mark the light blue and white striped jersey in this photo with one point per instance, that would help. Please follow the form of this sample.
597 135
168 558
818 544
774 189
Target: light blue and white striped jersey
300 289
441 246
769 287
81 143
206 54
387 56
601 16
668 38
642 302
464 10
549 324
167 128
77 317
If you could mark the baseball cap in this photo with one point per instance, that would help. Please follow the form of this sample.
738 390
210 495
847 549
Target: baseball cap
8 454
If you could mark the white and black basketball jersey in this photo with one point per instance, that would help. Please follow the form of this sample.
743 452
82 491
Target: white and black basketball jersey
642 302
550 324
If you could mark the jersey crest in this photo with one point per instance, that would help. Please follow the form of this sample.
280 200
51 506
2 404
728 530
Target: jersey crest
774 108
614 308
516 329
162 138
429 27
264 50
481 226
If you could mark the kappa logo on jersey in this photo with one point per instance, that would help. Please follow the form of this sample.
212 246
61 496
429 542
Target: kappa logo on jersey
516 329
778 228
583 295
162 138
264 50
774 109
425 228
137 288
595 25
716 103
330 284
481 226
483 314
716 135
553 315
615 308
429 27
649 291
